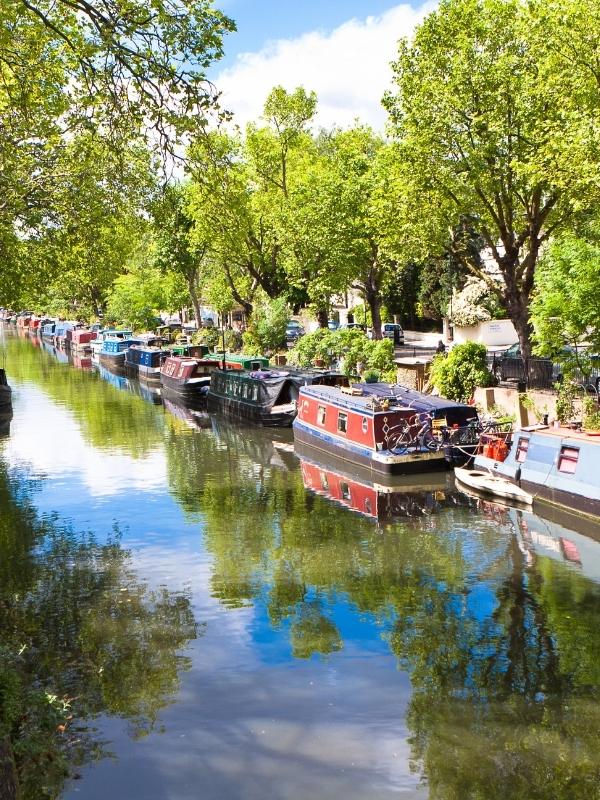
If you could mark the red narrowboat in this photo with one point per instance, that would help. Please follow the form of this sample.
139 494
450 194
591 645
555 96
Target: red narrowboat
186 379
389 429
81 339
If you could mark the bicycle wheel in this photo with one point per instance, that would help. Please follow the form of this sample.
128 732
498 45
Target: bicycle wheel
398 439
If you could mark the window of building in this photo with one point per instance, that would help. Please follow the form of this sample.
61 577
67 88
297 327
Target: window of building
522 448
342 425
567 460
321 414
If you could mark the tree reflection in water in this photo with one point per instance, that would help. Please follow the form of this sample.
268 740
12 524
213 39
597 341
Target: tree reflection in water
80 637
502 651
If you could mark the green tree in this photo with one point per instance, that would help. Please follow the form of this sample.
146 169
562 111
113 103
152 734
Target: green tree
565 307
488 126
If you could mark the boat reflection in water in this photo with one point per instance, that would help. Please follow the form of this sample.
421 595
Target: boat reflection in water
193 418
376 496
6 411
565 538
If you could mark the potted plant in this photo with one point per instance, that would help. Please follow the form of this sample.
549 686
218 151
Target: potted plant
565 402
370 376
591 416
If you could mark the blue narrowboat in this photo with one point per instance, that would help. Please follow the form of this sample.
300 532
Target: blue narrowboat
143 361
101 335
48 331
112 354
556 465
62 333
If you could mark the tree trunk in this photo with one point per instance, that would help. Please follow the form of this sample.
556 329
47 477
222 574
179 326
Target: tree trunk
374 302
322 317
195 300
9 785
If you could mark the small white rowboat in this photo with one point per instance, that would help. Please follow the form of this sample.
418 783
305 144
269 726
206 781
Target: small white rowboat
490 484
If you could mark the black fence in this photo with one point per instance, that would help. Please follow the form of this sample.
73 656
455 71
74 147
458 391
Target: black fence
538 373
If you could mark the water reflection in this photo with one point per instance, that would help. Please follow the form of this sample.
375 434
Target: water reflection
81 635
434 647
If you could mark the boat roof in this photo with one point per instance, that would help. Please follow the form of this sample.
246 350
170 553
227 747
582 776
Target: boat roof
561 433
400 397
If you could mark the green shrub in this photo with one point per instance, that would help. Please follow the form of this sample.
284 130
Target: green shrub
591 414
266 330
209 336
565 402
457 375
349 346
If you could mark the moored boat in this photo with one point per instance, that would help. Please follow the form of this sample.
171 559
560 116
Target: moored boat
186 379
143 361
389 429
239 361
555 465
112 354
485 483
81 339
264 397
101 335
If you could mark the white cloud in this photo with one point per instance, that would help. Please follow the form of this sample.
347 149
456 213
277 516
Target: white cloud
349 68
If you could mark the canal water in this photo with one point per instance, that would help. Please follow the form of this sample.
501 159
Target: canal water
182 617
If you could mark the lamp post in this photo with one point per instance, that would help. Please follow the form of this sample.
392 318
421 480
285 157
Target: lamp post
223 341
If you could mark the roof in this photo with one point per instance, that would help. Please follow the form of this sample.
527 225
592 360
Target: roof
400 397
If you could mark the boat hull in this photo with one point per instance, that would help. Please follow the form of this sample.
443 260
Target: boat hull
493 486
249 412
383 464
191 395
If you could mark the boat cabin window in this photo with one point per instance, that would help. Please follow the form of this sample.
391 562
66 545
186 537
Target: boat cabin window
256 365
324 481
368 508
345 490
522 447
342 422
567 460
365 425
321 414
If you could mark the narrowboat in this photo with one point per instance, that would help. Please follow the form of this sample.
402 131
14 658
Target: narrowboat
63 333
265 397
112 354
558 466
185 379
143 361
48 331
238 361
389 429
190 350
5 395
81 339
112 333
378 499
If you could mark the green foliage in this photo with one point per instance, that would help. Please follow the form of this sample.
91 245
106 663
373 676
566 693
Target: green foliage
209 336
565 309
266 331
493 114
349 346
565 401
457 375
591 414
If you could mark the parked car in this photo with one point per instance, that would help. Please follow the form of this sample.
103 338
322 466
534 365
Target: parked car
391 330
545 372
333 325
293 331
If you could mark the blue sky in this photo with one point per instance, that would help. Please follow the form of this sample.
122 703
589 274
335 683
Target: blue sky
341 49
259 21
